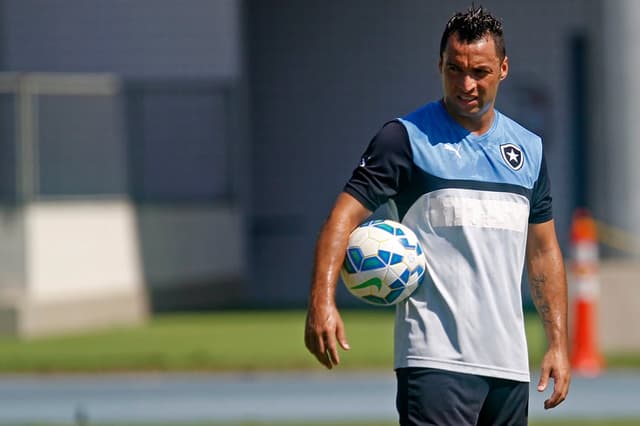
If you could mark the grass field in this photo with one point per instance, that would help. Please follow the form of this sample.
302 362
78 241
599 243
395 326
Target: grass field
235 341
223 341
215 342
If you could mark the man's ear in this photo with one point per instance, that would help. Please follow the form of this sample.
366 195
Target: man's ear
504 68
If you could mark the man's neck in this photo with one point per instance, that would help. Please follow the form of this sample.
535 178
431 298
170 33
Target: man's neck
476 125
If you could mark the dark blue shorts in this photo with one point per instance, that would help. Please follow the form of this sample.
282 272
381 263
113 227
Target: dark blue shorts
428 396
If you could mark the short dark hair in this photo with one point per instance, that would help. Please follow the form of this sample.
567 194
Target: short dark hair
472 25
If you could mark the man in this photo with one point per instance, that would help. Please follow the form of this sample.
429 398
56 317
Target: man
473 185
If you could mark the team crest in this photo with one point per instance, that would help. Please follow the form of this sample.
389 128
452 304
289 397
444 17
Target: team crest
512 155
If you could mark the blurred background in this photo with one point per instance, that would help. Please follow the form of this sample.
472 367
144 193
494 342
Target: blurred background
183 155
162 156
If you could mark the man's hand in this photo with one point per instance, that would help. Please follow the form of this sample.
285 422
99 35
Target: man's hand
555 365
324 330
548 285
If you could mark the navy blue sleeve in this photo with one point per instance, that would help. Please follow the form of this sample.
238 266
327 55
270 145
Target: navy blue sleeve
541 210
385 167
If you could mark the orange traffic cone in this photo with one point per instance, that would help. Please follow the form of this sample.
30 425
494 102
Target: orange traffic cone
585 356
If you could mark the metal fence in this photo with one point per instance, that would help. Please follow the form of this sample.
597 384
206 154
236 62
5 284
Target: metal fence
94 135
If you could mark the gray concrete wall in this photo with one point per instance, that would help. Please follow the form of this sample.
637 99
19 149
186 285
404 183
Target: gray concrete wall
159 38
617 306
614 151
175 137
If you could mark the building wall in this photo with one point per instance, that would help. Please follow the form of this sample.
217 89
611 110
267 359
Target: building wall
168 140
614 151
180 61
195 38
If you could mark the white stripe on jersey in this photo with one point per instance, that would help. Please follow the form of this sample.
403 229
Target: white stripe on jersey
464 208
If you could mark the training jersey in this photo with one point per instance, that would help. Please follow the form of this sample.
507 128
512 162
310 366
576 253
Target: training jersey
469 199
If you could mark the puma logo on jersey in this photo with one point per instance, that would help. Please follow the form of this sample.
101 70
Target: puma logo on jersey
363 161
453 148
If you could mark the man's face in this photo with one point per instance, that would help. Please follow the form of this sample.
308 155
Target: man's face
471 74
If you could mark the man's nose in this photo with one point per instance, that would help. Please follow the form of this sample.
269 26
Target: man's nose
468 83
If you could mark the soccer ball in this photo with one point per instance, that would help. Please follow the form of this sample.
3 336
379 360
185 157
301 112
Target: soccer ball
384 262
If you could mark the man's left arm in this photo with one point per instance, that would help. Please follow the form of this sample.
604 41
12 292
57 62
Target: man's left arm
548 285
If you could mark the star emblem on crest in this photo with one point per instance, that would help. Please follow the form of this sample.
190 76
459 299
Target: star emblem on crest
512 155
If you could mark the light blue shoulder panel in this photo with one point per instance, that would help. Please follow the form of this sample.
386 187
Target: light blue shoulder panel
444 149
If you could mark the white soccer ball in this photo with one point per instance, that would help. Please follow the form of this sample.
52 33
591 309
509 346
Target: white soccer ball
384 262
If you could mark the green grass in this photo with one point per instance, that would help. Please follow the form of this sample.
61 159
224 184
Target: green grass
231 341
214 341
222 341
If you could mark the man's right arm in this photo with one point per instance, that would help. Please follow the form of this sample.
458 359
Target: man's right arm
324 328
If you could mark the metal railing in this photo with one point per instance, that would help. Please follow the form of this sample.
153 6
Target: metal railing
95 135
